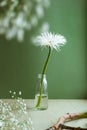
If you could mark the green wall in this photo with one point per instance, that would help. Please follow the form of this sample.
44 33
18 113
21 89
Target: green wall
67 72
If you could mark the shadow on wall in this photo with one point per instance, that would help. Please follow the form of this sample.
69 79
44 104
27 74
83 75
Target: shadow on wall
18 67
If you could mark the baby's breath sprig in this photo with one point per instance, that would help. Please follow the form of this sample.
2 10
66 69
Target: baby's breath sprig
9 120
20 104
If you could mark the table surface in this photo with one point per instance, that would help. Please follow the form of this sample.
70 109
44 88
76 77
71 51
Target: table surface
56 108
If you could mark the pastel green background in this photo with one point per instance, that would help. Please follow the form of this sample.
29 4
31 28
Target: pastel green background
67 69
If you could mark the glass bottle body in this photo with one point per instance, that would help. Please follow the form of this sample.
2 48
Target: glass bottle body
41 94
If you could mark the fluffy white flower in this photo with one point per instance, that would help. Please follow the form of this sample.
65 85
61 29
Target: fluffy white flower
51 40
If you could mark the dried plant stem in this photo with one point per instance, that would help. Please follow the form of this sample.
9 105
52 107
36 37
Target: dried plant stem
71 128
66 118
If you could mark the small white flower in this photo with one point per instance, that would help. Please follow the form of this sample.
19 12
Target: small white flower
20 92
39 11
10 91
14 93
45 27
34 20
1 123
20 34
12 96
50 40
3 3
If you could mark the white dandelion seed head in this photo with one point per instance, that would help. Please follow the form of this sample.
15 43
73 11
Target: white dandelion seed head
50 39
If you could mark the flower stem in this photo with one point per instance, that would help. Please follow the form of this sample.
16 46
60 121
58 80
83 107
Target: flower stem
43 72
